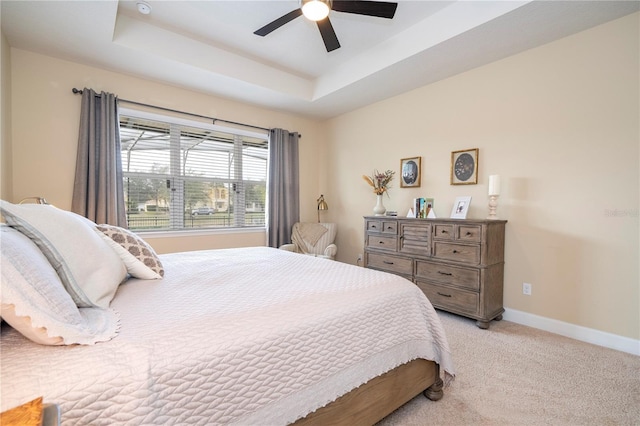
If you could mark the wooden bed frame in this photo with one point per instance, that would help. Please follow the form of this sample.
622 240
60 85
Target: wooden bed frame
380 396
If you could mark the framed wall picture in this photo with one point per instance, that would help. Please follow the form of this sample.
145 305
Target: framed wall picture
464 167
410 172
460 208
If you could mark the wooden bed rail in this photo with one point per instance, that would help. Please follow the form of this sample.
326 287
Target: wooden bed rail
380 396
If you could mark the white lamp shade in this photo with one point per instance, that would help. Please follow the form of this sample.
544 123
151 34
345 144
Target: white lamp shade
494 185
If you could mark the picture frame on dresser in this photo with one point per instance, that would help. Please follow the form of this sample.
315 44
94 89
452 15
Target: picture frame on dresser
460 207
410 173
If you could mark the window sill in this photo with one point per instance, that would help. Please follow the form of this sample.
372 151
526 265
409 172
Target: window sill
198 233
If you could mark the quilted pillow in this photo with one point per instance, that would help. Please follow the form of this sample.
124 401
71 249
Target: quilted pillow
35 303
89 269
138 256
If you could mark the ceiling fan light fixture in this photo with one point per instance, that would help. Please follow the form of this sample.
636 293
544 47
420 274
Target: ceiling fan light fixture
315 10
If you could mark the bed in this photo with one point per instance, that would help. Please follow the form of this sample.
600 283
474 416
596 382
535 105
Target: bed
235 336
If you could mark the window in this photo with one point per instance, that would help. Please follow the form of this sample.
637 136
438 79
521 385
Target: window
181 175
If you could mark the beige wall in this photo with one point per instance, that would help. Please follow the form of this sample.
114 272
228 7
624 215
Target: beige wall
5 119
45 117
560 124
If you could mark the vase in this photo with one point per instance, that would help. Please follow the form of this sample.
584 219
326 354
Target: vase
379 209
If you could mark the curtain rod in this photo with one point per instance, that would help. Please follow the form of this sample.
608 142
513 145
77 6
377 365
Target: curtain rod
213 119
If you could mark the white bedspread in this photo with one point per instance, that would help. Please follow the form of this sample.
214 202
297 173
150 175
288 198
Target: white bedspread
239 336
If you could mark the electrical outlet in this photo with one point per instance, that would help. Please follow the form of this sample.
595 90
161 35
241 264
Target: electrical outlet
526 289
359 258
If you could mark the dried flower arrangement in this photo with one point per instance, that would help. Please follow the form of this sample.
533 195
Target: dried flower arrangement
380 182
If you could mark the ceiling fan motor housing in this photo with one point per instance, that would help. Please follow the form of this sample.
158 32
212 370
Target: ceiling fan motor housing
378 9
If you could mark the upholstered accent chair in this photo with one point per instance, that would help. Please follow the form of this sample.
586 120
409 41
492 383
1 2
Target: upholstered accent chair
313 239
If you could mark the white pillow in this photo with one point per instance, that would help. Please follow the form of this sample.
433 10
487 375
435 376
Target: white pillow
34 301
138 256
89 269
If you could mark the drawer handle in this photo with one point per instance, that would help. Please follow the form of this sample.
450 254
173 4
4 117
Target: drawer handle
445 273
455 251
373 226
380 242
386 262
443 231
445 295
468 233
389 227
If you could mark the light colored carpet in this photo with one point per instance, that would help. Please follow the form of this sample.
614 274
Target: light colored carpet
516 375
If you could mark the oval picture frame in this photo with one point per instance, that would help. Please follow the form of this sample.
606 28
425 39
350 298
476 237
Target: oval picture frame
410 172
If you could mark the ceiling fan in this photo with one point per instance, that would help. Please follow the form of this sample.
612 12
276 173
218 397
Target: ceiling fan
318 10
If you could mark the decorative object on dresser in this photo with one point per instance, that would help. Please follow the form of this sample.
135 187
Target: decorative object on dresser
494 193
423 208
430 202
410 172
464 167
380 182
458 264
418 206
460 208
322 205
379 209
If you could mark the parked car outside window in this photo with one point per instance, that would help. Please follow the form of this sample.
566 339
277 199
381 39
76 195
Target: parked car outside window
203 210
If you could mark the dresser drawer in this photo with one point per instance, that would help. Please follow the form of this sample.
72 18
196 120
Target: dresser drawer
389 227
451 299
395 264
443 232
471 233
384 226
374 225
447 274
382 242
457 252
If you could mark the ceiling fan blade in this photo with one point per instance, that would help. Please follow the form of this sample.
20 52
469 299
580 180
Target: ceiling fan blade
380 9
328 34
272 26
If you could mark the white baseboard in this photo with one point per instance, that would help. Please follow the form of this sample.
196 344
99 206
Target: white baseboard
589 335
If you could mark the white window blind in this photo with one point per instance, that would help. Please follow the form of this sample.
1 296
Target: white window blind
182 175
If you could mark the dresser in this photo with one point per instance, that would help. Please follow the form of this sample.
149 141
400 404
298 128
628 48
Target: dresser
458 264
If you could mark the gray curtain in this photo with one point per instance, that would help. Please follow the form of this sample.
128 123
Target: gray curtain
98 189
284 186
